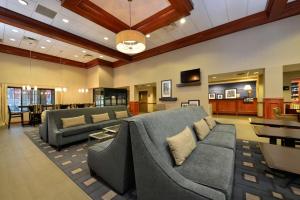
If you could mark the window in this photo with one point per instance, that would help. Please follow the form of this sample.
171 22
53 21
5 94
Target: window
14 98
18 97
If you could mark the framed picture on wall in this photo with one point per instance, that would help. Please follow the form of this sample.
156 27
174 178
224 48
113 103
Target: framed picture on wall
211 96
194 102
166 88
184 104
220 96
230 94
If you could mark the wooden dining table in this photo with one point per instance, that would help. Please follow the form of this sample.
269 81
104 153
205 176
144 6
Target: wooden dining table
275 123
288 136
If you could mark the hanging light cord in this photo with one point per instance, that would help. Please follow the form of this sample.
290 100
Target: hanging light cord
130 13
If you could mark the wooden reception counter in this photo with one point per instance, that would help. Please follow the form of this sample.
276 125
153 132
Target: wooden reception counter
233 107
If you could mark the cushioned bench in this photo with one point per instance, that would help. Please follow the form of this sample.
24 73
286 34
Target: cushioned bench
208 172
59 136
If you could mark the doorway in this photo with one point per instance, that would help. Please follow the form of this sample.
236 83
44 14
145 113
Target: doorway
143 101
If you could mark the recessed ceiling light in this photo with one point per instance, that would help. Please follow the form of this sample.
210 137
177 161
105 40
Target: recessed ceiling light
15 31
101 56
65 20
214 77
12 39
105 38
148 35
83 51
49 41
23 2
76 56
182 20
42 47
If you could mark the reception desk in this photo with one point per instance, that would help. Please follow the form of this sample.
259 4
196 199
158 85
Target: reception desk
233 107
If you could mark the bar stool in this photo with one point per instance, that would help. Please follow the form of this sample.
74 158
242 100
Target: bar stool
14 115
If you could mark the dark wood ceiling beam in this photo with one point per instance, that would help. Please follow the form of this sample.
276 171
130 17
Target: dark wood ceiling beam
29 24
39 56
95 14
182 6
99 62
275 8
89 10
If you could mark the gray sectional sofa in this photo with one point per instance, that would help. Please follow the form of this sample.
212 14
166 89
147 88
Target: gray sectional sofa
112 161
208 173
59 136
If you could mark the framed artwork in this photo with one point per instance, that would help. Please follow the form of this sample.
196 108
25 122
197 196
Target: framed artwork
211 96
220 96
184 104
166 88
194 102
230 94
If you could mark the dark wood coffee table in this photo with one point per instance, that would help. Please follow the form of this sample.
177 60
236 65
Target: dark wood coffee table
287 135
275 123
281 158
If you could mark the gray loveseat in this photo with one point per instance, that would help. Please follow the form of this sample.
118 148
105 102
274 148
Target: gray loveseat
59 136
112 160
208 173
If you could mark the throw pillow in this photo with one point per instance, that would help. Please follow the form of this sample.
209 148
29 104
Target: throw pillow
210 122
73 121
182 145
100 117
201 129
121 114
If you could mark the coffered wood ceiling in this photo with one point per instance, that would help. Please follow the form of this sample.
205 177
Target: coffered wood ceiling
93 20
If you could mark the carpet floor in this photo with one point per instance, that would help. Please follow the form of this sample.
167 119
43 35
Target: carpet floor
252 179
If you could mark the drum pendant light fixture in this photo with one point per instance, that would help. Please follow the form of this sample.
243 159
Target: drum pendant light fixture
130 41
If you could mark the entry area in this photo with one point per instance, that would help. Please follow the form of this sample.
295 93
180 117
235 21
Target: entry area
237 93
146 95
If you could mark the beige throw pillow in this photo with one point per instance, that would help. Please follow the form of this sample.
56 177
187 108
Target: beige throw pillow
73 121
201 129
210 122
121 114
182 145
100 117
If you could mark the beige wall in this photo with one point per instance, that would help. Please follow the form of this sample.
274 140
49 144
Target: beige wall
15 71
269 46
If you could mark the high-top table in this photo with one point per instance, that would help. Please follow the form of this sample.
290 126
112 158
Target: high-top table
275 123
287 135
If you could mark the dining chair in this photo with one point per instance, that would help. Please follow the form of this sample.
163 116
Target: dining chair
13 114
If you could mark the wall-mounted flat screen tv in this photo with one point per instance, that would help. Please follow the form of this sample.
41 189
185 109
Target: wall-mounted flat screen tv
191 76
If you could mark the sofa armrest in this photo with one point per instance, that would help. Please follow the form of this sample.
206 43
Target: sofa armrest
156 179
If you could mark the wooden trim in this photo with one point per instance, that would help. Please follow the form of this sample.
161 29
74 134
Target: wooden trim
15 19
275 8
39 56
100 62
89 10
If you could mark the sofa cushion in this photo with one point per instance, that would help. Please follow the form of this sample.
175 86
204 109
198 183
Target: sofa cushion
211 166
100 117
202 129
73 121
210 122
182 145
229 128
76 130
121 114
221 139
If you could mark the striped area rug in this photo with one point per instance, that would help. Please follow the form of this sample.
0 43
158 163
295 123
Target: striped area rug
252 180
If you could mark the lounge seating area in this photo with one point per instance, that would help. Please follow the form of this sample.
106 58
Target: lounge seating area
149 100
